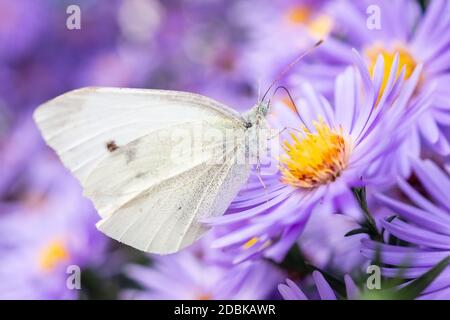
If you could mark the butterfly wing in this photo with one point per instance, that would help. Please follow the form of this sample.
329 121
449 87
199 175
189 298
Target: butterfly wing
161 215
127 147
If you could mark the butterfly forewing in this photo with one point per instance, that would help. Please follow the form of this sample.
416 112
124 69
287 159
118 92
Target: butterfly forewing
151 161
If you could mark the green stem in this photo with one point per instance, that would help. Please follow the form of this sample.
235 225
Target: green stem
360 196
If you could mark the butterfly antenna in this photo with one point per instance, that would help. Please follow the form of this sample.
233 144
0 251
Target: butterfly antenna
290 66
259 89
291 100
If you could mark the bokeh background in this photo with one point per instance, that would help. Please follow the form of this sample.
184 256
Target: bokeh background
225 49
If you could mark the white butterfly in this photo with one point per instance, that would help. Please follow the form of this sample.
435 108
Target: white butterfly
119 143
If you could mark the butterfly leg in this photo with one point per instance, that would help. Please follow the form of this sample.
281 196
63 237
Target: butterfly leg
282 130
258 174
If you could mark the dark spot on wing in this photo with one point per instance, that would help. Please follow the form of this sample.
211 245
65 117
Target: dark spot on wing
179 208
130 154
111 146
140 175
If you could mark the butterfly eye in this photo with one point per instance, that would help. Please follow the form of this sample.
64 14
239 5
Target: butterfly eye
263 108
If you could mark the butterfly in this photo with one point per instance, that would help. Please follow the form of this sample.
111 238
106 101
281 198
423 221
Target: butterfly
155 163
145 158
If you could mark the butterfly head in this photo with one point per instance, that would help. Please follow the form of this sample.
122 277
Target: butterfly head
256 115
262 108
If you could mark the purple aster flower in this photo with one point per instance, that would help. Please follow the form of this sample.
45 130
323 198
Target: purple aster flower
417 38
278 31
45 224
423 225
200 273
290 290
338 148
325 246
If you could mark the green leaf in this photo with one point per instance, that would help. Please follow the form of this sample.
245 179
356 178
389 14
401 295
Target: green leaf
356 231
360 196
415 288
388 219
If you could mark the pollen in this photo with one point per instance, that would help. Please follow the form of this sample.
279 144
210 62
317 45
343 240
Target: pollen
406 60
52 255
299 14
250 243
315 158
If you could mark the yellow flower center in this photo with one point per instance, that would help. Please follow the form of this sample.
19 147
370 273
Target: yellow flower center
319 25
52 255
405 60
314 158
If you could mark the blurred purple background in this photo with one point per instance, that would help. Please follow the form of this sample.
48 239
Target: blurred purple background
225 49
